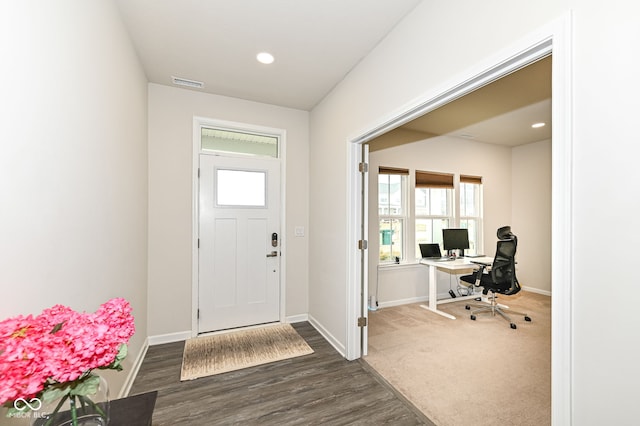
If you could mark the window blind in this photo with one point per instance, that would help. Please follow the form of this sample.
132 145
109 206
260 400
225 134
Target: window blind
383 170
433 180
471 179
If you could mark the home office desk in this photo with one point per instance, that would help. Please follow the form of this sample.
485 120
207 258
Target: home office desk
450 266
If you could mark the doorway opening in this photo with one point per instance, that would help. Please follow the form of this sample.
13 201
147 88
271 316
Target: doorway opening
553 39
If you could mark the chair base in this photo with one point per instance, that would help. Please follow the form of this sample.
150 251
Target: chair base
494 308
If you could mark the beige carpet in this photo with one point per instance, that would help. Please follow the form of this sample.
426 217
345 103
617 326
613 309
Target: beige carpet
463 372
221 353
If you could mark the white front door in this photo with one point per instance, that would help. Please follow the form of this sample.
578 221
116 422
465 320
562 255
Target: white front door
239 237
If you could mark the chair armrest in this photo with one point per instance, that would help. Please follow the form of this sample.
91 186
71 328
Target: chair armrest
479 272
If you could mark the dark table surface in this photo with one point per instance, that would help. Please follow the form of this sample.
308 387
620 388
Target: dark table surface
135 410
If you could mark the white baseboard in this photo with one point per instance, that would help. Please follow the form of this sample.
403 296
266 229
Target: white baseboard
537 290
169 338
328 336
403 302
131 377
444 296
297 318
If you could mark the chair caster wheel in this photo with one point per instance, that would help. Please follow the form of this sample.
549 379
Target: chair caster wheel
527 319
513 326
473 317
467 307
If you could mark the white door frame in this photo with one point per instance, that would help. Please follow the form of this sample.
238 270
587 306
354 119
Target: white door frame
554 38
198 122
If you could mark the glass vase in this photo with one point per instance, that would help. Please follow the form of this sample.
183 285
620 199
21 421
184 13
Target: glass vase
87 404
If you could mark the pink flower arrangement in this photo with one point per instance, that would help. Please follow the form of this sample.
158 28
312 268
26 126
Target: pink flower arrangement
61 345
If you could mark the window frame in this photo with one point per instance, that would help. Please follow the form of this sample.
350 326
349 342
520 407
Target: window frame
430 181
402 217
449 216
409 216
475 239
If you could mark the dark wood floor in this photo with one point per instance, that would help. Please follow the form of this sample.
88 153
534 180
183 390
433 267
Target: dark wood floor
318 389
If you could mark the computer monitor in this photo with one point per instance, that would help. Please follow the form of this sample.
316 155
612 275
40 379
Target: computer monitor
455 239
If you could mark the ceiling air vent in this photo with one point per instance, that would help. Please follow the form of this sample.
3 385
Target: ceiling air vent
186 82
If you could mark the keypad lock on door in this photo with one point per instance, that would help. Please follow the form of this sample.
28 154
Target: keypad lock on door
274 243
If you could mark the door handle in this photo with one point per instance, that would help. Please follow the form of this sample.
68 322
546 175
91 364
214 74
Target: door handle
273 254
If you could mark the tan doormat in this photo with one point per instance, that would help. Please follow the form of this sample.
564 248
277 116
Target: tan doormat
221 353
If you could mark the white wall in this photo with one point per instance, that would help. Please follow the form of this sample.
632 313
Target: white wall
73 162
605 176
531 213
171 113
436 42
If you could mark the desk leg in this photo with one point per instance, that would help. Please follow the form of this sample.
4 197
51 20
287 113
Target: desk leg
433 294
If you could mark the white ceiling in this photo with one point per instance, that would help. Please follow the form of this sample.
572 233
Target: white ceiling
499 113
315 43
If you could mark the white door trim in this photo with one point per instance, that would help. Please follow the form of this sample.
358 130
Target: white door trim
198 122
554 38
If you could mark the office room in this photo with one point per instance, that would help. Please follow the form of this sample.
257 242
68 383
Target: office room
516 191
507 174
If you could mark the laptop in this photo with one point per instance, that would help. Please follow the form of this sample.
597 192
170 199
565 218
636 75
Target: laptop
432 251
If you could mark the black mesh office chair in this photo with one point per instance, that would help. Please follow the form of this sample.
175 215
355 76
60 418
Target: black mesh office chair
501 278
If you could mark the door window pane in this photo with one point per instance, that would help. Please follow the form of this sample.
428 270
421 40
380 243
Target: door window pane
241 188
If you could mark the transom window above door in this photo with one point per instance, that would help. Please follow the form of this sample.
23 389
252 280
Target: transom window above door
232 141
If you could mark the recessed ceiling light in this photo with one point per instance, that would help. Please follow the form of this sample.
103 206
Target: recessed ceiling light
265 58
537 125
